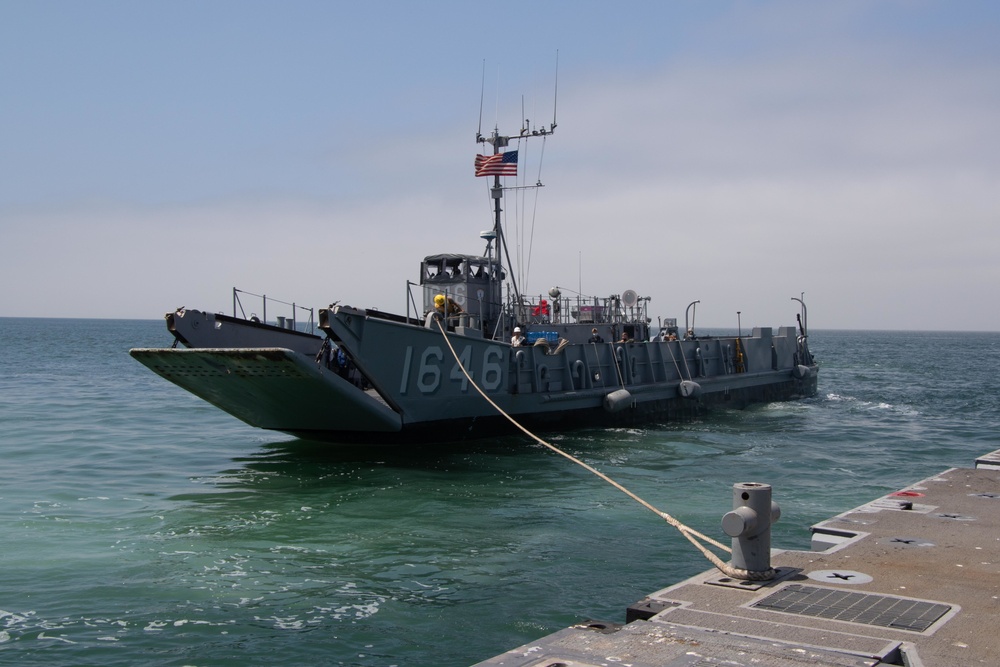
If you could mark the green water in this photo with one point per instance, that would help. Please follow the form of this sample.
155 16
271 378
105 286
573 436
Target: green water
143 526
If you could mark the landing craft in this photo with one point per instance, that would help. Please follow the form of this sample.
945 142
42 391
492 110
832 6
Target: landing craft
374 376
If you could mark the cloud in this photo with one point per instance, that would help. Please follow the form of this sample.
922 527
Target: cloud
791 148
856 178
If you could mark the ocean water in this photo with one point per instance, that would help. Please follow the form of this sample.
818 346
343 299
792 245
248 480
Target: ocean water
142 526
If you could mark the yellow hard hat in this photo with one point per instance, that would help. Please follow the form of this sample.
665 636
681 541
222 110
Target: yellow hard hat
439 300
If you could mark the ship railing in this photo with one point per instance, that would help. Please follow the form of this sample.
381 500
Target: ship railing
562 310
634 313
467 319
283 321
411 304
580 310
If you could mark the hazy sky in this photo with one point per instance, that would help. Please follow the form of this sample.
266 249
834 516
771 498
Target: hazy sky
158 154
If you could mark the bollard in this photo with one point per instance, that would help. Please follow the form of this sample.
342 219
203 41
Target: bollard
749 524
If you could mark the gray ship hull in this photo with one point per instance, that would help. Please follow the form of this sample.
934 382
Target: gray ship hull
415 387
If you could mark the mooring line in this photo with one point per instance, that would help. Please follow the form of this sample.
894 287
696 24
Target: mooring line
674 359
689 533
618 368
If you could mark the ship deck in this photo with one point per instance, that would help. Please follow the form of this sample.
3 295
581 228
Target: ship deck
912 578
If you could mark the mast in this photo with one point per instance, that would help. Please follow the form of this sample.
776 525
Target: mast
496 193
499 141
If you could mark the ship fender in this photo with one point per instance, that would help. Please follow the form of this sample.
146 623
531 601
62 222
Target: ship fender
689 389
801 372
618 400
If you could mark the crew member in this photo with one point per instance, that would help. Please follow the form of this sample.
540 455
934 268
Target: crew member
517 340
625 338
440 302
595 337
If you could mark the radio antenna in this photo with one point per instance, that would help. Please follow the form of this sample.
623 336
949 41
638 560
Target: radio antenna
496 113
482 96
555 97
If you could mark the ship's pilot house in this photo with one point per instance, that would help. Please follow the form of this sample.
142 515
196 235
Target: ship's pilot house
471 281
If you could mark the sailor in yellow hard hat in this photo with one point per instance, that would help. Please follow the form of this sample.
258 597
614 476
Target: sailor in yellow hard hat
440 302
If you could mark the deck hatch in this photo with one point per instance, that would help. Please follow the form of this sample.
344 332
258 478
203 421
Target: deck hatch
853 607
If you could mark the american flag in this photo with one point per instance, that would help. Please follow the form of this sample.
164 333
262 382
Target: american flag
501 164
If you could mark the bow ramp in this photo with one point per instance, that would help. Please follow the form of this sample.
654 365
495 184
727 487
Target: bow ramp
272 388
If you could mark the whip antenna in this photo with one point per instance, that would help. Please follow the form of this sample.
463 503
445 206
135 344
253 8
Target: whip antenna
482 95
555 96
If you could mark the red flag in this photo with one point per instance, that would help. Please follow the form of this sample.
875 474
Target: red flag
501 164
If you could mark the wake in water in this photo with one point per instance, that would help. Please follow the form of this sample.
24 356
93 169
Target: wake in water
860 404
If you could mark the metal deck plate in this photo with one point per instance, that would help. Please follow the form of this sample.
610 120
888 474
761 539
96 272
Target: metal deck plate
867 608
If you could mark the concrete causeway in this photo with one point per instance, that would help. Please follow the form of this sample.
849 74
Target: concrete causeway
912 578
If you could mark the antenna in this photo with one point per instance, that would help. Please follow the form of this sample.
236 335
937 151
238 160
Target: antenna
497 111
482 96
499 141
555 96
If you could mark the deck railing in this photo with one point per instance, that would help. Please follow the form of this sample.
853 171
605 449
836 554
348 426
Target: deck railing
282 321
